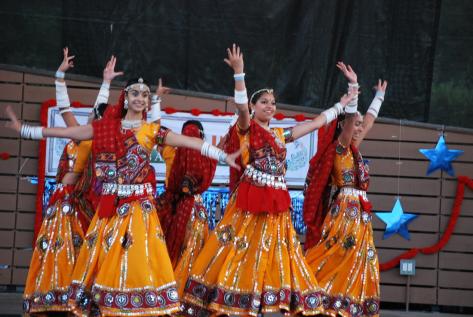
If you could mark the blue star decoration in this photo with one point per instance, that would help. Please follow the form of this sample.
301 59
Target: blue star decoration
396 221
441 157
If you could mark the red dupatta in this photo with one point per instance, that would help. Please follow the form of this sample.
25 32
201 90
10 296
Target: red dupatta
249 197
191 174
316 188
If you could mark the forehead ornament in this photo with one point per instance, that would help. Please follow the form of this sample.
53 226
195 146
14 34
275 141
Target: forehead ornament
141 86
266 90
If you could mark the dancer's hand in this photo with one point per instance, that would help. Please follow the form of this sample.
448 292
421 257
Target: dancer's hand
231 158
162 90
109 72
381 86
348 72
67 61
14 123
235 59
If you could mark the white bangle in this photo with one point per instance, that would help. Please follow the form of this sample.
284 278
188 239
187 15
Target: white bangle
62 99
60 74
37 133
30 132
155 108
350 109
352 106
333 112
213 152
375 105
380 95
239 76
103 95
156 98
354 85
241 97
339 108
64 110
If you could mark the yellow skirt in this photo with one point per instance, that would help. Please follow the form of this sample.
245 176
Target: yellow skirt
123 267
345 262
197 233
251 263
54 255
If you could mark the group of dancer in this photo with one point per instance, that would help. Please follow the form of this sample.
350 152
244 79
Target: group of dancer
107 247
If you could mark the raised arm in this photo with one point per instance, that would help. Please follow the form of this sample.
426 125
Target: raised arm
324 118
353 86
156 102
109 74
26 131
373 110
351 109
235 61
62 98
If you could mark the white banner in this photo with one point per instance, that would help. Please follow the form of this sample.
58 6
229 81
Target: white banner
215 127
55 146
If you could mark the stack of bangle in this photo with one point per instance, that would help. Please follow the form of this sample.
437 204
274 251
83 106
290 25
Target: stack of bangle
103 95
241 97
213 152
353 86
239 76
155 108
333 112
60 74
62 99
376 103
155 98
30 132
352 106
379 95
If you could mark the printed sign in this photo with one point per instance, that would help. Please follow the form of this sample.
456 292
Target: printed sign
215 127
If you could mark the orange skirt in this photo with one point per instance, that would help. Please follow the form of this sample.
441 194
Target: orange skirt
197 233
123 268
251 263
54 255
345 262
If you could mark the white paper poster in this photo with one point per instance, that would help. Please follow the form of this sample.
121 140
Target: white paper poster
215 127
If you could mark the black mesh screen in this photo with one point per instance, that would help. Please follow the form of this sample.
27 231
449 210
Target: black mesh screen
291 46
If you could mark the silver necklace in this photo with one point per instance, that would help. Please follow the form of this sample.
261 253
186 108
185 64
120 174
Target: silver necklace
131 124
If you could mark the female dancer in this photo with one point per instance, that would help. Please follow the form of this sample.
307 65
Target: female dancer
86 184
66 218
344 258
181 210
252 262
123 264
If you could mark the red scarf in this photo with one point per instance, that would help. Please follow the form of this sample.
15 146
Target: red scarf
317 190
249 195
191 173
231 144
